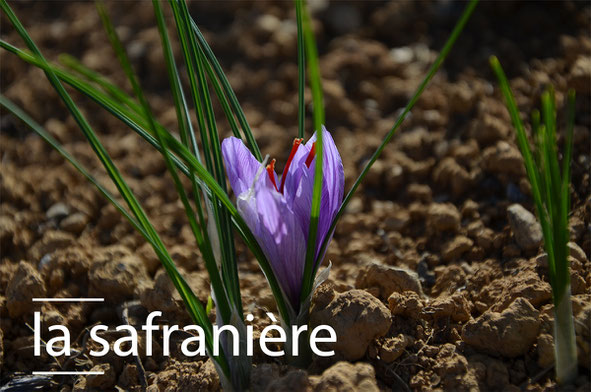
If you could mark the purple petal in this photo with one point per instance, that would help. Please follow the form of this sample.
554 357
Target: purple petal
279 234
241 165
332 187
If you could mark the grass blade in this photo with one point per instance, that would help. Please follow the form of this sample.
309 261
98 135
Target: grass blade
301 73
212 60
552 205
205 249
224 230
311 56
530 168
187 135
39 130
194 306
114 91
434 67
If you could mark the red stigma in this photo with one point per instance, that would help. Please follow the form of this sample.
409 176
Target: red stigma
294 148
311 155
271 172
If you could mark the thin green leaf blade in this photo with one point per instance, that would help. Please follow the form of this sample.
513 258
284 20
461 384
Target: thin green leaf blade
432 70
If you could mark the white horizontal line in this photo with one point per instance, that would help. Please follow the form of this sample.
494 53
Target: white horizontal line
68 300
62 373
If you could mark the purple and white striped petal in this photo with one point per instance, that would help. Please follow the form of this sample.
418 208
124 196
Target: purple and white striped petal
279 216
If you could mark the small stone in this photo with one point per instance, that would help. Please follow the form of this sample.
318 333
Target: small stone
374 176
163 296
402 55
455 248
393 348
103 381
347 377
485 238
545 350
525 227
355 206
394 178
442 217
490 129
452 368
525 284
542 260
57 211
388 280
470 209
406 304
397 221
25 285
74 223
503 158
420 192
510 333
357 318
115 273
52 240
448 173
577 253
579 77
456 307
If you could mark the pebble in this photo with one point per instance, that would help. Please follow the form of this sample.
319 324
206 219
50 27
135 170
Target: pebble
579 77
545 350
74 223
407 304
388 280
525 227
344 376
503 158
490 129
402 55
393 348
115 273
577 253
25 284
101 381
357 318
455 306
443 216
509 334
52 240
57 211
455 248
448 173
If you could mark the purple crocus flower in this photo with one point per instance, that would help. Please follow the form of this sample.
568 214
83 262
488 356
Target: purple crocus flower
278 212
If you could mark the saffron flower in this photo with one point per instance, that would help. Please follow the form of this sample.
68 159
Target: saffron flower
278 210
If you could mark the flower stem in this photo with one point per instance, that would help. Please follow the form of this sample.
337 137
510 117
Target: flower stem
303 358
565 349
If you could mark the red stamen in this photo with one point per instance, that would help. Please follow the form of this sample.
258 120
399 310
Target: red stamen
294 148
271 172
312 155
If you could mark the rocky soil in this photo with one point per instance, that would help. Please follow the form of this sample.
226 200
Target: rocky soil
439 280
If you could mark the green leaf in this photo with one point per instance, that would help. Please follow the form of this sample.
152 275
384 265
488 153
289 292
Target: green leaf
195 308
195 68
311 56
213 62
301 72
438 61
